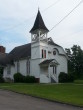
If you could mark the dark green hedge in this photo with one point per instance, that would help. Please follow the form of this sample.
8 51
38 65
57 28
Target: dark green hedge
64 77
29 79
19 78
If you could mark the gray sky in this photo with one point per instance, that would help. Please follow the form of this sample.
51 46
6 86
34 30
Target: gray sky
17 18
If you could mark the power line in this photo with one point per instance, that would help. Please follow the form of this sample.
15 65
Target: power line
51 5
59 21
71 34
67 15
8 29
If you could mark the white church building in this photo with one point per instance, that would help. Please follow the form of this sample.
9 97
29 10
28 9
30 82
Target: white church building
41 58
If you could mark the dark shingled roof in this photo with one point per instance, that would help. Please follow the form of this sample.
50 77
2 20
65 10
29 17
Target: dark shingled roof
2 59
39 23
19 52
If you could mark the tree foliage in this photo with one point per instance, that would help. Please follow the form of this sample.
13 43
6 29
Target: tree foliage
75 63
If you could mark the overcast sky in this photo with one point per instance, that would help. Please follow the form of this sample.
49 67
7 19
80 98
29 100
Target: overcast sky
17 18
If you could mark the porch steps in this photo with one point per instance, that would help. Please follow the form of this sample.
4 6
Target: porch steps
53 78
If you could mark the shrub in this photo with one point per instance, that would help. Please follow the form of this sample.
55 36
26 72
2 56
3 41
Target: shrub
1 78
32 79
64 77
29 79
18 77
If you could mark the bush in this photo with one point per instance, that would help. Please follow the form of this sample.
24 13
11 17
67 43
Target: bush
1 78
32 79
64 77
29 79
18 77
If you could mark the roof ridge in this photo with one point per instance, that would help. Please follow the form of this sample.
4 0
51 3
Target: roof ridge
22 45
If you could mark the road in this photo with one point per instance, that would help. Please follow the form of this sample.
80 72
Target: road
14 101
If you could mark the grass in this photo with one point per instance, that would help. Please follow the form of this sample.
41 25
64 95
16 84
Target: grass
67 93
78 81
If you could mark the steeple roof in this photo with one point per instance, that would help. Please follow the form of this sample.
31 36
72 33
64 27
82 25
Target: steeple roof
39 23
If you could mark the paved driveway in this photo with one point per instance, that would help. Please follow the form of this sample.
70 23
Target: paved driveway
14 101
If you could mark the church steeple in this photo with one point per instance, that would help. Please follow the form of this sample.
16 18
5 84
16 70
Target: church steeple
39 30
39 24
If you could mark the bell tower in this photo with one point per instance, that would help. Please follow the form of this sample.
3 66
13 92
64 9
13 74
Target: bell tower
39 44
39 30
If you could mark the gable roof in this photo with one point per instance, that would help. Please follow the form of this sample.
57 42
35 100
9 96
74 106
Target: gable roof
47 62
39 23
21 52
51 42
18 53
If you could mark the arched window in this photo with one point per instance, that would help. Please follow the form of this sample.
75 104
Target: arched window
28 67
43 53
8 69
18 66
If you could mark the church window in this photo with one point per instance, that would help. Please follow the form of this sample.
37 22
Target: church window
18 66
8 69
28 66
43 53
54 52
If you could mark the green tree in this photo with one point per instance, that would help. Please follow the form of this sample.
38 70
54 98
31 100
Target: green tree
75 62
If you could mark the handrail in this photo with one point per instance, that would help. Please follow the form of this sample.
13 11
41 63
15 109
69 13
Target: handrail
53 76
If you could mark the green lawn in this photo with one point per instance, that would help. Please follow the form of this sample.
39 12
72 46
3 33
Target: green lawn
68 93
78 81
